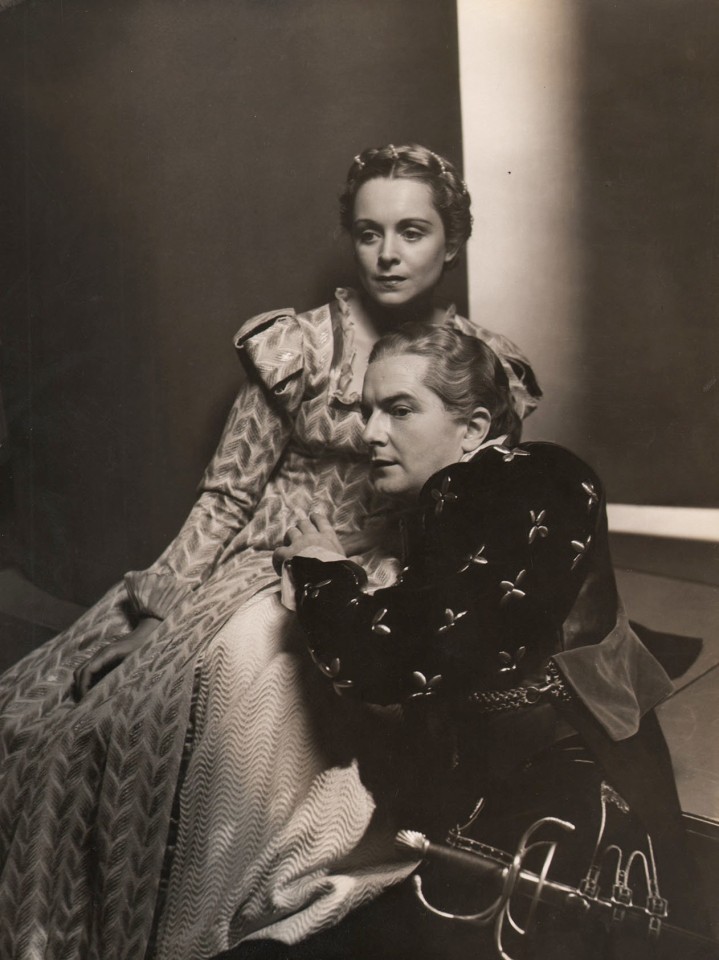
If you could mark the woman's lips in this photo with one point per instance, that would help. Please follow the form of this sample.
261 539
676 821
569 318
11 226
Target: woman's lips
389 281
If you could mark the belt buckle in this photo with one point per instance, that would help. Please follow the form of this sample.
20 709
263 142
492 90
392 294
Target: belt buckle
534 692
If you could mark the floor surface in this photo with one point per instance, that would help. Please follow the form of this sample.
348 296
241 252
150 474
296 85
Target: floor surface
690 718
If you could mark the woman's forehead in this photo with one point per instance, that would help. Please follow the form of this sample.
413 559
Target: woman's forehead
385 199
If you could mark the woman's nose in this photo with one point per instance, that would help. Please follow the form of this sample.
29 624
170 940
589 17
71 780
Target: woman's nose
388 250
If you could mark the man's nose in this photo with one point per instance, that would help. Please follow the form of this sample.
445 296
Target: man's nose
374 434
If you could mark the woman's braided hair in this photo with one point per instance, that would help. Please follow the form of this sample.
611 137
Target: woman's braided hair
414 162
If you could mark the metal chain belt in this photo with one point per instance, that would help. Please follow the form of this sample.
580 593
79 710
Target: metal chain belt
497 701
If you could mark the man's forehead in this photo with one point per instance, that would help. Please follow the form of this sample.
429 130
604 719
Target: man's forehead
397 374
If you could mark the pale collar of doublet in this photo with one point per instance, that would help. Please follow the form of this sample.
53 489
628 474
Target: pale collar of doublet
494 442
354 336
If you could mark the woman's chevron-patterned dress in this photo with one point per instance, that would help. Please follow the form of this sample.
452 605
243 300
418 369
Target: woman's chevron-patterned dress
111 848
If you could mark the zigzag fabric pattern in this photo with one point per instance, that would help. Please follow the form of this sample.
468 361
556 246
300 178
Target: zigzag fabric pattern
88 789
276 838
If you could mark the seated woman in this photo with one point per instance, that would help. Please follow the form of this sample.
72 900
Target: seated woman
126 824
503 640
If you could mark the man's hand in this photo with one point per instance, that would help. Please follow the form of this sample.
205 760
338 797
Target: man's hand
315 531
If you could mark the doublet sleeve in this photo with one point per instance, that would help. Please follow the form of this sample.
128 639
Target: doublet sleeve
506 546
271 348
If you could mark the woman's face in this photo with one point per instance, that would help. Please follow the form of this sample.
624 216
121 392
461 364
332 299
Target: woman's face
408 429
399 240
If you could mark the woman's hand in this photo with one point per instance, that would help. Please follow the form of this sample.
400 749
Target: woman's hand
315 531
111 656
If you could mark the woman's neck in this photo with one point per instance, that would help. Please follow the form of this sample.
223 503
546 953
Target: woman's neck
385 319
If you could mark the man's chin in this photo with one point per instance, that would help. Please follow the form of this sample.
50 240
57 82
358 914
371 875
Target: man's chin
392 491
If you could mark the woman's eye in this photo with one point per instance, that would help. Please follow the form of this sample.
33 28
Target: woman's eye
367 236
413 235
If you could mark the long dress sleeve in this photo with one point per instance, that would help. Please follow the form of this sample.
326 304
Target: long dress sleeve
256 433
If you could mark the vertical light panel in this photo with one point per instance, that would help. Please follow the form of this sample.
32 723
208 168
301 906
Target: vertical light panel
518 82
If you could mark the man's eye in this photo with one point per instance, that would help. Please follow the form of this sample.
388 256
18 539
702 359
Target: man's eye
400 412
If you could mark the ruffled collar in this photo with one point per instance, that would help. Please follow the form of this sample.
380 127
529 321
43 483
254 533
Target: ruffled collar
353 341
494 442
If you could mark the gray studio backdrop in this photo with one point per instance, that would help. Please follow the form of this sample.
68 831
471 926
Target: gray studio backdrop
169 169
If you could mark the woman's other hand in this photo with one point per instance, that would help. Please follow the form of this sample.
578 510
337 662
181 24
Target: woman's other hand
111 656
315 531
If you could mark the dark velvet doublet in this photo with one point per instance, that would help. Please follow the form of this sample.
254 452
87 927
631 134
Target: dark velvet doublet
507 574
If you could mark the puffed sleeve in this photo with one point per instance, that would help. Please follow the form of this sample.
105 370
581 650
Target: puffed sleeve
523 383
255 435
359 641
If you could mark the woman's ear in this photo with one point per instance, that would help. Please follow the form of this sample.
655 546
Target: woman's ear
450 254
476 430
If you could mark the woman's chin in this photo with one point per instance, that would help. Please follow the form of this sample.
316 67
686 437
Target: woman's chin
400 300
392 297
390 306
